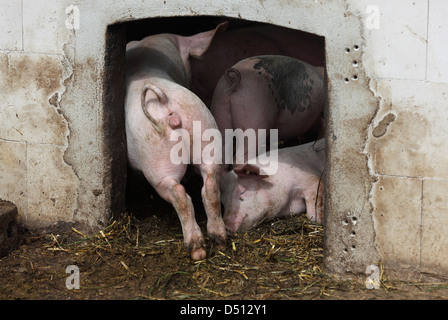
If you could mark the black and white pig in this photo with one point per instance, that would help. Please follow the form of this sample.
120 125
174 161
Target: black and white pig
270 92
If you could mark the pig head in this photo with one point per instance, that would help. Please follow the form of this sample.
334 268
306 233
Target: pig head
250 197
158 102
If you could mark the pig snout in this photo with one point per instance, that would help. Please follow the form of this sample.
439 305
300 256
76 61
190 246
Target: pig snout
243 219
233 221
236 221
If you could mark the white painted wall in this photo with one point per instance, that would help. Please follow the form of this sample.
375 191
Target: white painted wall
53 168
406 58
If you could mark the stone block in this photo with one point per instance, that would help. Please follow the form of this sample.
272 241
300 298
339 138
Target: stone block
397 48
52 186
44 26
435 226
437 41
409 132
30 87
397 214
10 25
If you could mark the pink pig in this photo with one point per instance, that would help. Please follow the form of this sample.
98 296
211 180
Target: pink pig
270 92
237 44
297 187
158 102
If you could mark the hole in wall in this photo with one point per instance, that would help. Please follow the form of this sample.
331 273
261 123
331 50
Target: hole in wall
141 198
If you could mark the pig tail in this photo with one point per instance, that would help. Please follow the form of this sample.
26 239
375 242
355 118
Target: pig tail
162 99
233 77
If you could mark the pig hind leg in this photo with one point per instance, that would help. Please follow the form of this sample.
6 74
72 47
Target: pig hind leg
314 198
212 203
172 191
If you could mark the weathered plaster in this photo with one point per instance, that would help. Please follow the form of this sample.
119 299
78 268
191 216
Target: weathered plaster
60 117
406 155
31 126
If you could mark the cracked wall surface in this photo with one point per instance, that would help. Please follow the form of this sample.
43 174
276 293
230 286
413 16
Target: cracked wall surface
407 141
33 139
62 146
34 130
410 162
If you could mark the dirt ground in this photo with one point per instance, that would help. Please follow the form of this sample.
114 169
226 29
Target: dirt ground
141 255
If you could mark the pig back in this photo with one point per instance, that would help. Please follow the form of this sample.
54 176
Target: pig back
235 45
156 54
309 157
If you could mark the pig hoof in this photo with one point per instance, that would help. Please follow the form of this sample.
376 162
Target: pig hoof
220 241
198 254
218 234
317 219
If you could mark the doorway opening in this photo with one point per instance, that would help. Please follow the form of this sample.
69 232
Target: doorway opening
130 190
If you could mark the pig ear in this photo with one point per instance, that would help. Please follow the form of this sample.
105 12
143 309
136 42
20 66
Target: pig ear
200 42
248 170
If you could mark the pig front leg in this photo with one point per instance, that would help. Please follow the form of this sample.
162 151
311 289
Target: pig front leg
211 175
172 191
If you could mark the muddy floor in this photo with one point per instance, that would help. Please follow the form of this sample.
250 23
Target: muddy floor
140 255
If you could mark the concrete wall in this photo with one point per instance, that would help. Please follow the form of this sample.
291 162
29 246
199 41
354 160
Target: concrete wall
407 141
61 137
